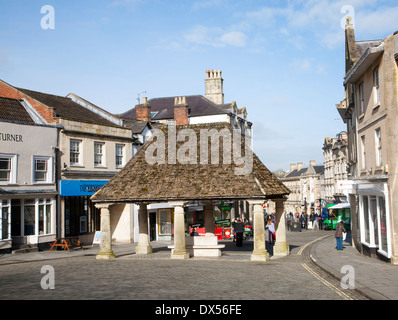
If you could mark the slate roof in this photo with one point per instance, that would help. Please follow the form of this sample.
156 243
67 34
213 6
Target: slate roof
13 110
136 126
140 181
65 108
198 105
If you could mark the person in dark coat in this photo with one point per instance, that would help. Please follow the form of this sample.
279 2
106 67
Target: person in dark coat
239 229
339 234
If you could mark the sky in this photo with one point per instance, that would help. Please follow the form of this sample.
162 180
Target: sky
282 60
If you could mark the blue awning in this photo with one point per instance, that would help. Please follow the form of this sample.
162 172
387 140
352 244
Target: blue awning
75 188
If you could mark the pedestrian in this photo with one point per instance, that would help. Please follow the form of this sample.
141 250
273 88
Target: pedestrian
316 225
302 221
339 235
194 232
239 229
271 231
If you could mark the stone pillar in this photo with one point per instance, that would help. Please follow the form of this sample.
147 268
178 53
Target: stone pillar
143 246
179 251
259 251
105 252
209 219
281 247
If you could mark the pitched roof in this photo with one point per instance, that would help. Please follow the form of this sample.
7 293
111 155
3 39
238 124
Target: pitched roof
66 108
141 181
164 107
13 110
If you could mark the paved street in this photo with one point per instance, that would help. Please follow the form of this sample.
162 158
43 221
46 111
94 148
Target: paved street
231 277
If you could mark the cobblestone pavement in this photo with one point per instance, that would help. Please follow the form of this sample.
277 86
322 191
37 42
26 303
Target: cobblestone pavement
230 277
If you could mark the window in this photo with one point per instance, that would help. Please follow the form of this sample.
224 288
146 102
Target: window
42 169
29 217
365 219
378 147
383 225
363 152
98 153
5 218
44 216
8 165
5 169
376 85
119 155
361 97
75 151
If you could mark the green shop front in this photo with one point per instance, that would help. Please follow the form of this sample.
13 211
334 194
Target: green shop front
332 213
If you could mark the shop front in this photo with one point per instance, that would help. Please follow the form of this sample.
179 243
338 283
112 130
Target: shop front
27 221
79 215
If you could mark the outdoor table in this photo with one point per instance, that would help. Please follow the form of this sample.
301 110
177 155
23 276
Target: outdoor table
66 243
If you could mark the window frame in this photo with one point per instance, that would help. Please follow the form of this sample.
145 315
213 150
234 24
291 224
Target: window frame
119 157
49 177
376 86
101 154
12 176
78 152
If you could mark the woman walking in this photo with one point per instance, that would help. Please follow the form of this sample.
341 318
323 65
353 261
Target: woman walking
339 234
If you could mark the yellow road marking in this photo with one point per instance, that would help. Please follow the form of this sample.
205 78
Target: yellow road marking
306 245
327 283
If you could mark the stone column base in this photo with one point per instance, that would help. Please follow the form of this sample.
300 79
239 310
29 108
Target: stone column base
143 249
105 255
181 256
281 249
261 256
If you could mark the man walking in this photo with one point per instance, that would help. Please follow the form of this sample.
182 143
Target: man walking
239 229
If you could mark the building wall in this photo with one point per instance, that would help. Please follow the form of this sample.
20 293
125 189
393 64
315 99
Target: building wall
28 206
89 134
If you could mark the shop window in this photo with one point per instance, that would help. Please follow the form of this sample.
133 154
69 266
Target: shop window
383 225
44 216
365 219
5 218
165 222
29 218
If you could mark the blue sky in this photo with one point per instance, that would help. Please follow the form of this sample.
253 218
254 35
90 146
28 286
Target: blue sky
282 60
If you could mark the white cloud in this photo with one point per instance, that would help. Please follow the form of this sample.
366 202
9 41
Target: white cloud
323 19
204 4
215 37
234 38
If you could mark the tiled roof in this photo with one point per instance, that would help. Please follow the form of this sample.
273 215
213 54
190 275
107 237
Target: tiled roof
13 110
198 106
141 181
65 108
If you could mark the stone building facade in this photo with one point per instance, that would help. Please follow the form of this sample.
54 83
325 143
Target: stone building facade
370 111
335 163
305 184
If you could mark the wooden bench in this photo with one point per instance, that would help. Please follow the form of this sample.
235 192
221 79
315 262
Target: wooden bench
66 243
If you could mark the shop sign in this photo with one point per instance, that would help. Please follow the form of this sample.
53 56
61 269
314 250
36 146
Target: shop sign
75 188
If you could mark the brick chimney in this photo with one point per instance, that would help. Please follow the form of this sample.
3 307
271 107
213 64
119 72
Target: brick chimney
143 111
214 86
181 111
